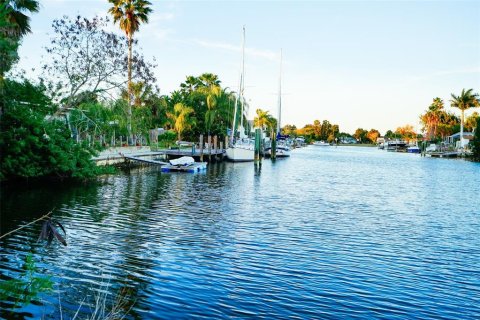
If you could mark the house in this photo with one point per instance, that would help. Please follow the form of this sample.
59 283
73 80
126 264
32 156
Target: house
454 139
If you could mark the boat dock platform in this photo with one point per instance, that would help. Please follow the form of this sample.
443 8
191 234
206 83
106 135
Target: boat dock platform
149 155
452 154
149 161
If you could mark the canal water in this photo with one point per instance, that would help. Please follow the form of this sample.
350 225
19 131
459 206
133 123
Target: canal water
329 233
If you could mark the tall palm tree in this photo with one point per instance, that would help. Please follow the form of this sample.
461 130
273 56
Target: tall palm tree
130 14
466 100
16 14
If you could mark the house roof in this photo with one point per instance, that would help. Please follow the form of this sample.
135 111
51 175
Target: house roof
465 135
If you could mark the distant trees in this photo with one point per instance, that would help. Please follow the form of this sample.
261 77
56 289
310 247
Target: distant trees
361 135
372 135
289 129
317 131
406 132
436 122
471 121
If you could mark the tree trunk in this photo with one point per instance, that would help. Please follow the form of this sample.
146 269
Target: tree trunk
129 117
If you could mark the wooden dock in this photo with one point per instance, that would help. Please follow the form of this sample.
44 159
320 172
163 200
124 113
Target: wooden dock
451 154
147 155
149 161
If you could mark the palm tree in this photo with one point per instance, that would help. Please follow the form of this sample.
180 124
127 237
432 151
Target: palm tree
181 117
466 100
214 93
262 119
130 14
431 117
20 22
14 24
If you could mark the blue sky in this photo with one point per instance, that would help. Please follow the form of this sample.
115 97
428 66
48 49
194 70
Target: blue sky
369 64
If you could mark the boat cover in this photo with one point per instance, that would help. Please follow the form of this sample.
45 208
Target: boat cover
183 161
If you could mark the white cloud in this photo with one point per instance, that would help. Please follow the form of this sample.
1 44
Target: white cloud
265 54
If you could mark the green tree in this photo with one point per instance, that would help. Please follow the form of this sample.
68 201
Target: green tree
16 14
182 118
466 100
471 121
130 14
289 129
476 141
431 118
14 24
317 129
8 44
372 135
361 135
32 146
261 120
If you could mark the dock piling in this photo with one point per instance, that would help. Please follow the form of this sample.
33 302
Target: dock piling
209 141
201 147
257 158
215 146
273 150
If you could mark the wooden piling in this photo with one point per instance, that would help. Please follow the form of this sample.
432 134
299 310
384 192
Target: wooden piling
221 150
201 148
273 150
215 146
257 158
209 139
226 141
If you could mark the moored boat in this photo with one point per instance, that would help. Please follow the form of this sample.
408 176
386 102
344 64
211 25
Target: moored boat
321 144
413 149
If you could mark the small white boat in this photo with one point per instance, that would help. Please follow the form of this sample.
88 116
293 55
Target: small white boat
321 144
281 151
184 164
183 161
431 148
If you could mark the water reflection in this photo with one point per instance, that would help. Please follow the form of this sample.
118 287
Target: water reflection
322 234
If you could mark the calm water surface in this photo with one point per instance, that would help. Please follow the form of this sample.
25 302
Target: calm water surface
329 233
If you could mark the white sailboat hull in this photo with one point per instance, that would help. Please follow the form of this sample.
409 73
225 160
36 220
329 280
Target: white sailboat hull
240 154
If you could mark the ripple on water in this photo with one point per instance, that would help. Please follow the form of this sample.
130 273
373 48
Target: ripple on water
329 233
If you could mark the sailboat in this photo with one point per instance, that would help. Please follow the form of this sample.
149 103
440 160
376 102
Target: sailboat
243 148
282 149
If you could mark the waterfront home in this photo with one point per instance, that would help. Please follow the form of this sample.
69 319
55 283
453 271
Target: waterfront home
348 140
454 139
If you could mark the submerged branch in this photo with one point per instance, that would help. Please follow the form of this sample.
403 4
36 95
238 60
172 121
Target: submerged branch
26 225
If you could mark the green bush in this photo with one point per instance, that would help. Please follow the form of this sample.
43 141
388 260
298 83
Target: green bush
33 143
476 142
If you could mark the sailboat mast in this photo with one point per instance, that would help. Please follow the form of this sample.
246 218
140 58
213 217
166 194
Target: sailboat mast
242 83
279 120
239 94
234 129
